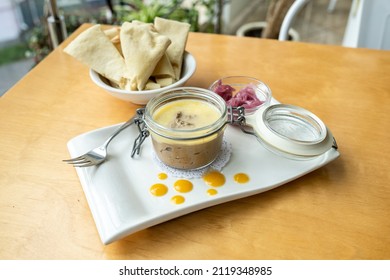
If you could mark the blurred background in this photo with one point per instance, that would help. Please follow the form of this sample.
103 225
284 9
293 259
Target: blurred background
25 38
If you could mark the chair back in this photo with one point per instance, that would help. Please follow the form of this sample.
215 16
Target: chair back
289 18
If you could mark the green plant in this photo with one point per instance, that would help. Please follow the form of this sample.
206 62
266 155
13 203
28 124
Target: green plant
174 9
138 10
13 53
39 43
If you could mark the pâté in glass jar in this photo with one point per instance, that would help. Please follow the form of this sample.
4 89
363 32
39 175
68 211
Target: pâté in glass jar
187 126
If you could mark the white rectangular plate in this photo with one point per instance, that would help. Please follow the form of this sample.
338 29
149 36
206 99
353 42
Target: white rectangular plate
118 193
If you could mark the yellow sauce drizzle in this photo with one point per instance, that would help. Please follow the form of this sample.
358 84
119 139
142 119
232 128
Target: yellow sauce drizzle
241 178
212 192
162 176
177 199
183 186
158 189
214 178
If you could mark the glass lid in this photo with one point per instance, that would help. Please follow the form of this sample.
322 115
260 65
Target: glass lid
294 124
292 130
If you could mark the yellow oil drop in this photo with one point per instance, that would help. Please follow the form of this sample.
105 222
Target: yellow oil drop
241 178
177 199
158 189
183 186
212 192
214 178
162 176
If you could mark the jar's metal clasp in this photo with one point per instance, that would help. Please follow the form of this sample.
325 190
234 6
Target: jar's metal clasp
143 132
237 117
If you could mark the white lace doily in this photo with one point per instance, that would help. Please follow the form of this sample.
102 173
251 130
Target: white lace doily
221 160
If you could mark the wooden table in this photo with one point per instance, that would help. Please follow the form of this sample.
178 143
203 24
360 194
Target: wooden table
340 211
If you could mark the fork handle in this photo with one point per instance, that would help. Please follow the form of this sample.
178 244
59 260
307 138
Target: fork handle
122 127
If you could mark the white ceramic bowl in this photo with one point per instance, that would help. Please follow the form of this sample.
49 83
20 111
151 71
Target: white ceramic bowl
142 97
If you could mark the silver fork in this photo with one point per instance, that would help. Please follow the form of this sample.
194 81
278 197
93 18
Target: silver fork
99 154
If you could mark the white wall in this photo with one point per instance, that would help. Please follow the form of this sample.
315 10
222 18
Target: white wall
9 26
368 25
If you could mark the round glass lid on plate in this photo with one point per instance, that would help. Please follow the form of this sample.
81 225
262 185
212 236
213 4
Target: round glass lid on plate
292 131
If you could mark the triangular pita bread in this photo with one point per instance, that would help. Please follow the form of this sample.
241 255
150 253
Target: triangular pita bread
93 48
178 34
142 48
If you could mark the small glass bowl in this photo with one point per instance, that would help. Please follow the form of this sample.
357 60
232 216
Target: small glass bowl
186 147
238 83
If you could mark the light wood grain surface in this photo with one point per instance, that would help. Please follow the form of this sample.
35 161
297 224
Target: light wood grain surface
341 211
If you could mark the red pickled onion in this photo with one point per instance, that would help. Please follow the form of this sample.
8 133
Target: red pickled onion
246 97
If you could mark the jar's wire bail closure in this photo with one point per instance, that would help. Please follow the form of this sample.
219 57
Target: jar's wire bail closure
237 117
143 132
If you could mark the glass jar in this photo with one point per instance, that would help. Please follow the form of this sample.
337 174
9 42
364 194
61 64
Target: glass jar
187 126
